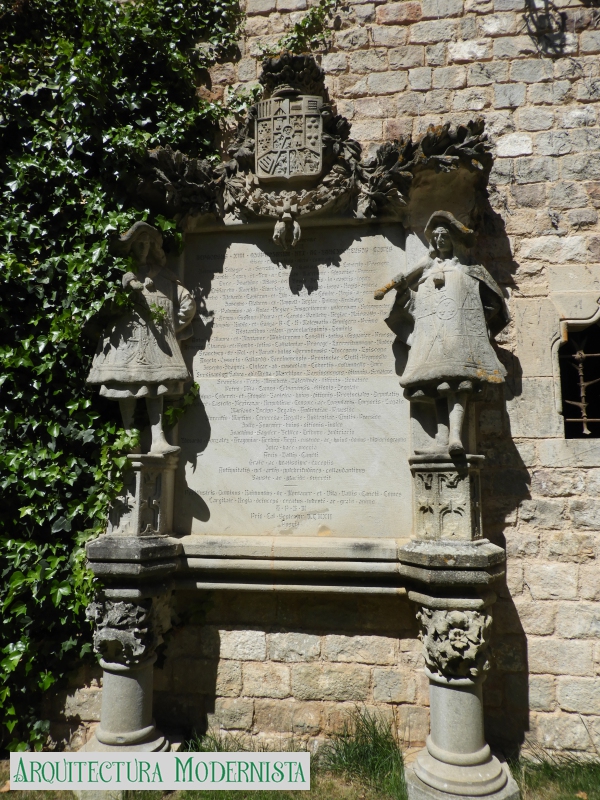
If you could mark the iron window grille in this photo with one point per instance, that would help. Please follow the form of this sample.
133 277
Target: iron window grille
579 360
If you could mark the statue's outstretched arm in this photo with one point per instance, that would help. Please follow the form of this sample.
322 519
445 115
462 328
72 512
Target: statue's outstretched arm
403 279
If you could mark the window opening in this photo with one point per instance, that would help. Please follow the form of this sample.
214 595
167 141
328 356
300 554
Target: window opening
579 360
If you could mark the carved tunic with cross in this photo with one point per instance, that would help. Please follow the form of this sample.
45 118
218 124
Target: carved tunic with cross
450 340
139 356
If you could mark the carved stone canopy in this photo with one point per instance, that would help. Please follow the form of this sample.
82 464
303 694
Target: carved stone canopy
293 158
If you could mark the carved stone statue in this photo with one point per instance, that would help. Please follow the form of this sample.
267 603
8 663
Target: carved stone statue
139 354
445 310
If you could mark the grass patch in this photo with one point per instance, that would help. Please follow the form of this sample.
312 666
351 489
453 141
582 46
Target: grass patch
364 762
367 751
557 776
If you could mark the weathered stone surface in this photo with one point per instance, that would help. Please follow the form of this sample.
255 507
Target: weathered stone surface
542 693
285 716
294 646
551 581
330 682
243 645
266 680
433 31
557 483
412 723
562 732
436 9
81 704
398 13
559 657
393 686
589 585
569 453
570 546
533 412
536 327
232 714
360 649
203 676
466 51
578 620
260 6
581 695
514 144
585 513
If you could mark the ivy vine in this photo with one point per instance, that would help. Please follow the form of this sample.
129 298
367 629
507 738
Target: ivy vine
309 33
86 86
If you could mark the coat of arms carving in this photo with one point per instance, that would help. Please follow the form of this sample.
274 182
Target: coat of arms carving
289 136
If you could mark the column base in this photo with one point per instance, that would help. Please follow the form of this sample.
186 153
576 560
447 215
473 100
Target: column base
417 790
157 744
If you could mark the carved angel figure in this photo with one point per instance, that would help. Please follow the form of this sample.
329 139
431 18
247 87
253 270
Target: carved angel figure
139 354
446 310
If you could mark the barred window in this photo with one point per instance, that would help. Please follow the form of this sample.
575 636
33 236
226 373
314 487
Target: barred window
579 360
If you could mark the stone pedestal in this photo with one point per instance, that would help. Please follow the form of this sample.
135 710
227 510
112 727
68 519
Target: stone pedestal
457 761
145 507
446 497
126 635
135 560
127 722
417 790
454 570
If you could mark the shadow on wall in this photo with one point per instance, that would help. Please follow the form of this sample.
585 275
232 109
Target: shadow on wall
286 666
505 484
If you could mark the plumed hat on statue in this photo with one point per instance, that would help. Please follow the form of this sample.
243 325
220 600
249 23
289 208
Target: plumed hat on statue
447 220
121 245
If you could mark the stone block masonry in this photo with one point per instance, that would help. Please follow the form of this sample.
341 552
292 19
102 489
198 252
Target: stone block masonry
281 668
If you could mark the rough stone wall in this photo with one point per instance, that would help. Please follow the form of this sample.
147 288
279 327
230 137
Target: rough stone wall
283 665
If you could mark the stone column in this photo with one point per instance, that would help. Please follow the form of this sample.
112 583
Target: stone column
452 571
134 560
126 636
457 761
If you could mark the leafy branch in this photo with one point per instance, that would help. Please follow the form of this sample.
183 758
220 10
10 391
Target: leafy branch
86 87
307 34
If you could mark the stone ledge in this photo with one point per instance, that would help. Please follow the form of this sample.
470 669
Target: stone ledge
132 548
310 548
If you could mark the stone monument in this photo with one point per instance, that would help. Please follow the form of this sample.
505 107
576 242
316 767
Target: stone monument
303 467
445 309
138 356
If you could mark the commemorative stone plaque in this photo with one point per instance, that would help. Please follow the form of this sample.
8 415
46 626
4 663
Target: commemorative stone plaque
302 426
